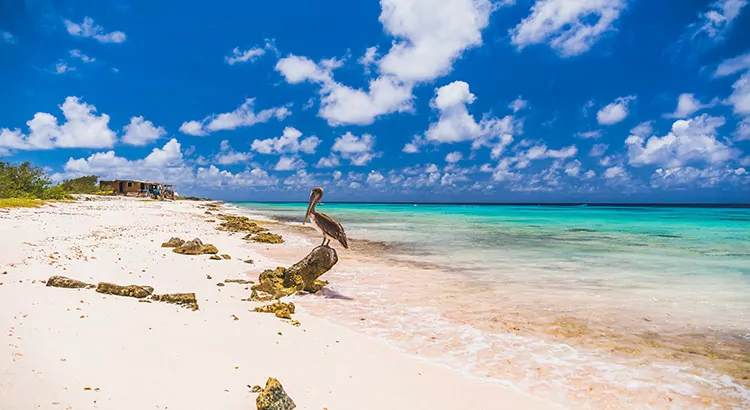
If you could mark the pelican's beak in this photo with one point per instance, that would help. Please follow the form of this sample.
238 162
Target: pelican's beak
313 200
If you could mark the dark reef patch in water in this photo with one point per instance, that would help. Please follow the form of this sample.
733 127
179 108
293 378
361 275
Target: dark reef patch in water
665 235
738 219
580 230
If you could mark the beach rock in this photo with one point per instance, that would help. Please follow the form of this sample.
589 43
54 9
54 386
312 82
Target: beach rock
173 243
186 300
303 275
265 237
63 282
249 261
280 309
195 247
273 397
256 389
215 257
240 281
235 223
225 256
132 291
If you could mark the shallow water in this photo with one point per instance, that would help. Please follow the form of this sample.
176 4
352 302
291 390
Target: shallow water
598 307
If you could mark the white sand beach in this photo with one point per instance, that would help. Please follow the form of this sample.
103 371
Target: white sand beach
79 349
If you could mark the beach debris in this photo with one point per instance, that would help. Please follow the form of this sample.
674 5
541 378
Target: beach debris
220 284
225 256
144 301
195 247
255 389
273 397
133 291
303 275
236 223
265 237
249 261
173 242
234 317
63 282
295 322
215 258
209 277
186 300
280 309
239 281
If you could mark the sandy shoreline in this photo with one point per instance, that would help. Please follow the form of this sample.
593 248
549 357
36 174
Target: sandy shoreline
59 342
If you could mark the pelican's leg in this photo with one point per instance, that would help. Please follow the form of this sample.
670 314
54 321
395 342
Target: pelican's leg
324 242
328 243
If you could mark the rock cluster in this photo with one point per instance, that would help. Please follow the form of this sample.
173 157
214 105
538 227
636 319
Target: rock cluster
273 397
280 309
187 300
195 247
303 275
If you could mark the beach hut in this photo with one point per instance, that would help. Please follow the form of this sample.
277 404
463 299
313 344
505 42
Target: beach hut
134 187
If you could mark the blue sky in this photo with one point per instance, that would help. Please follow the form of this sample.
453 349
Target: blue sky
398 100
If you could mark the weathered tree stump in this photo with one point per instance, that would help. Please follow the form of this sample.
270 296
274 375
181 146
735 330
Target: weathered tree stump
303 275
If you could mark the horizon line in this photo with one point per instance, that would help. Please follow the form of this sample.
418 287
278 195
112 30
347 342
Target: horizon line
580 204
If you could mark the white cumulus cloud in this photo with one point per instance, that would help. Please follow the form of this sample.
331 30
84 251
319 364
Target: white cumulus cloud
570 27
518 104
289 164
454 157
341 105
430 36
687 105
243 116
455 124
615 111
358 150
288 143
89 29
82 128
142 132
690 141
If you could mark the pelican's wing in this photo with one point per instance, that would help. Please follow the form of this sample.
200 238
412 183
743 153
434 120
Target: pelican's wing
332 228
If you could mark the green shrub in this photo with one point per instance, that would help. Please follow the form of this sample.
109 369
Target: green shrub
82 185
22 181
57 192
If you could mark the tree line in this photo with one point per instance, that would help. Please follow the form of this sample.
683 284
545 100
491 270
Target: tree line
26 181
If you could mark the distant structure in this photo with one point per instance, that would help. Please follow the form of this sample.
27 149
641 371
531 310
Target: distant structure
133 187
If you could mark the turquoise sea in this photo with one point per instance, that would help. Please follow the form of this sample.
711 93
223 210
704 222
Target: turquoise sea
639 285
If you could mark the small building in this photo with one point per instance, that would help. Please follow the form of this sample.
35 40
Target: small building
132 187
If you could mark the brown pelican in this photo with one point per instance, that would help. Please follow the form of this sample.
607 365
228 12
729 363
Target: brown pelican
323 223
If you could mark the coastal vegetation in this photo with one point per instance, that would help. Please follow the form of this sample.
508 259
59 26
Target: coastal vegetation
26 185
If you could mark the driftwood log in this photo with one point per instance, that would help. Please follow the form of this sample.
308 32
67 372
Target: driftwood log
303 275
